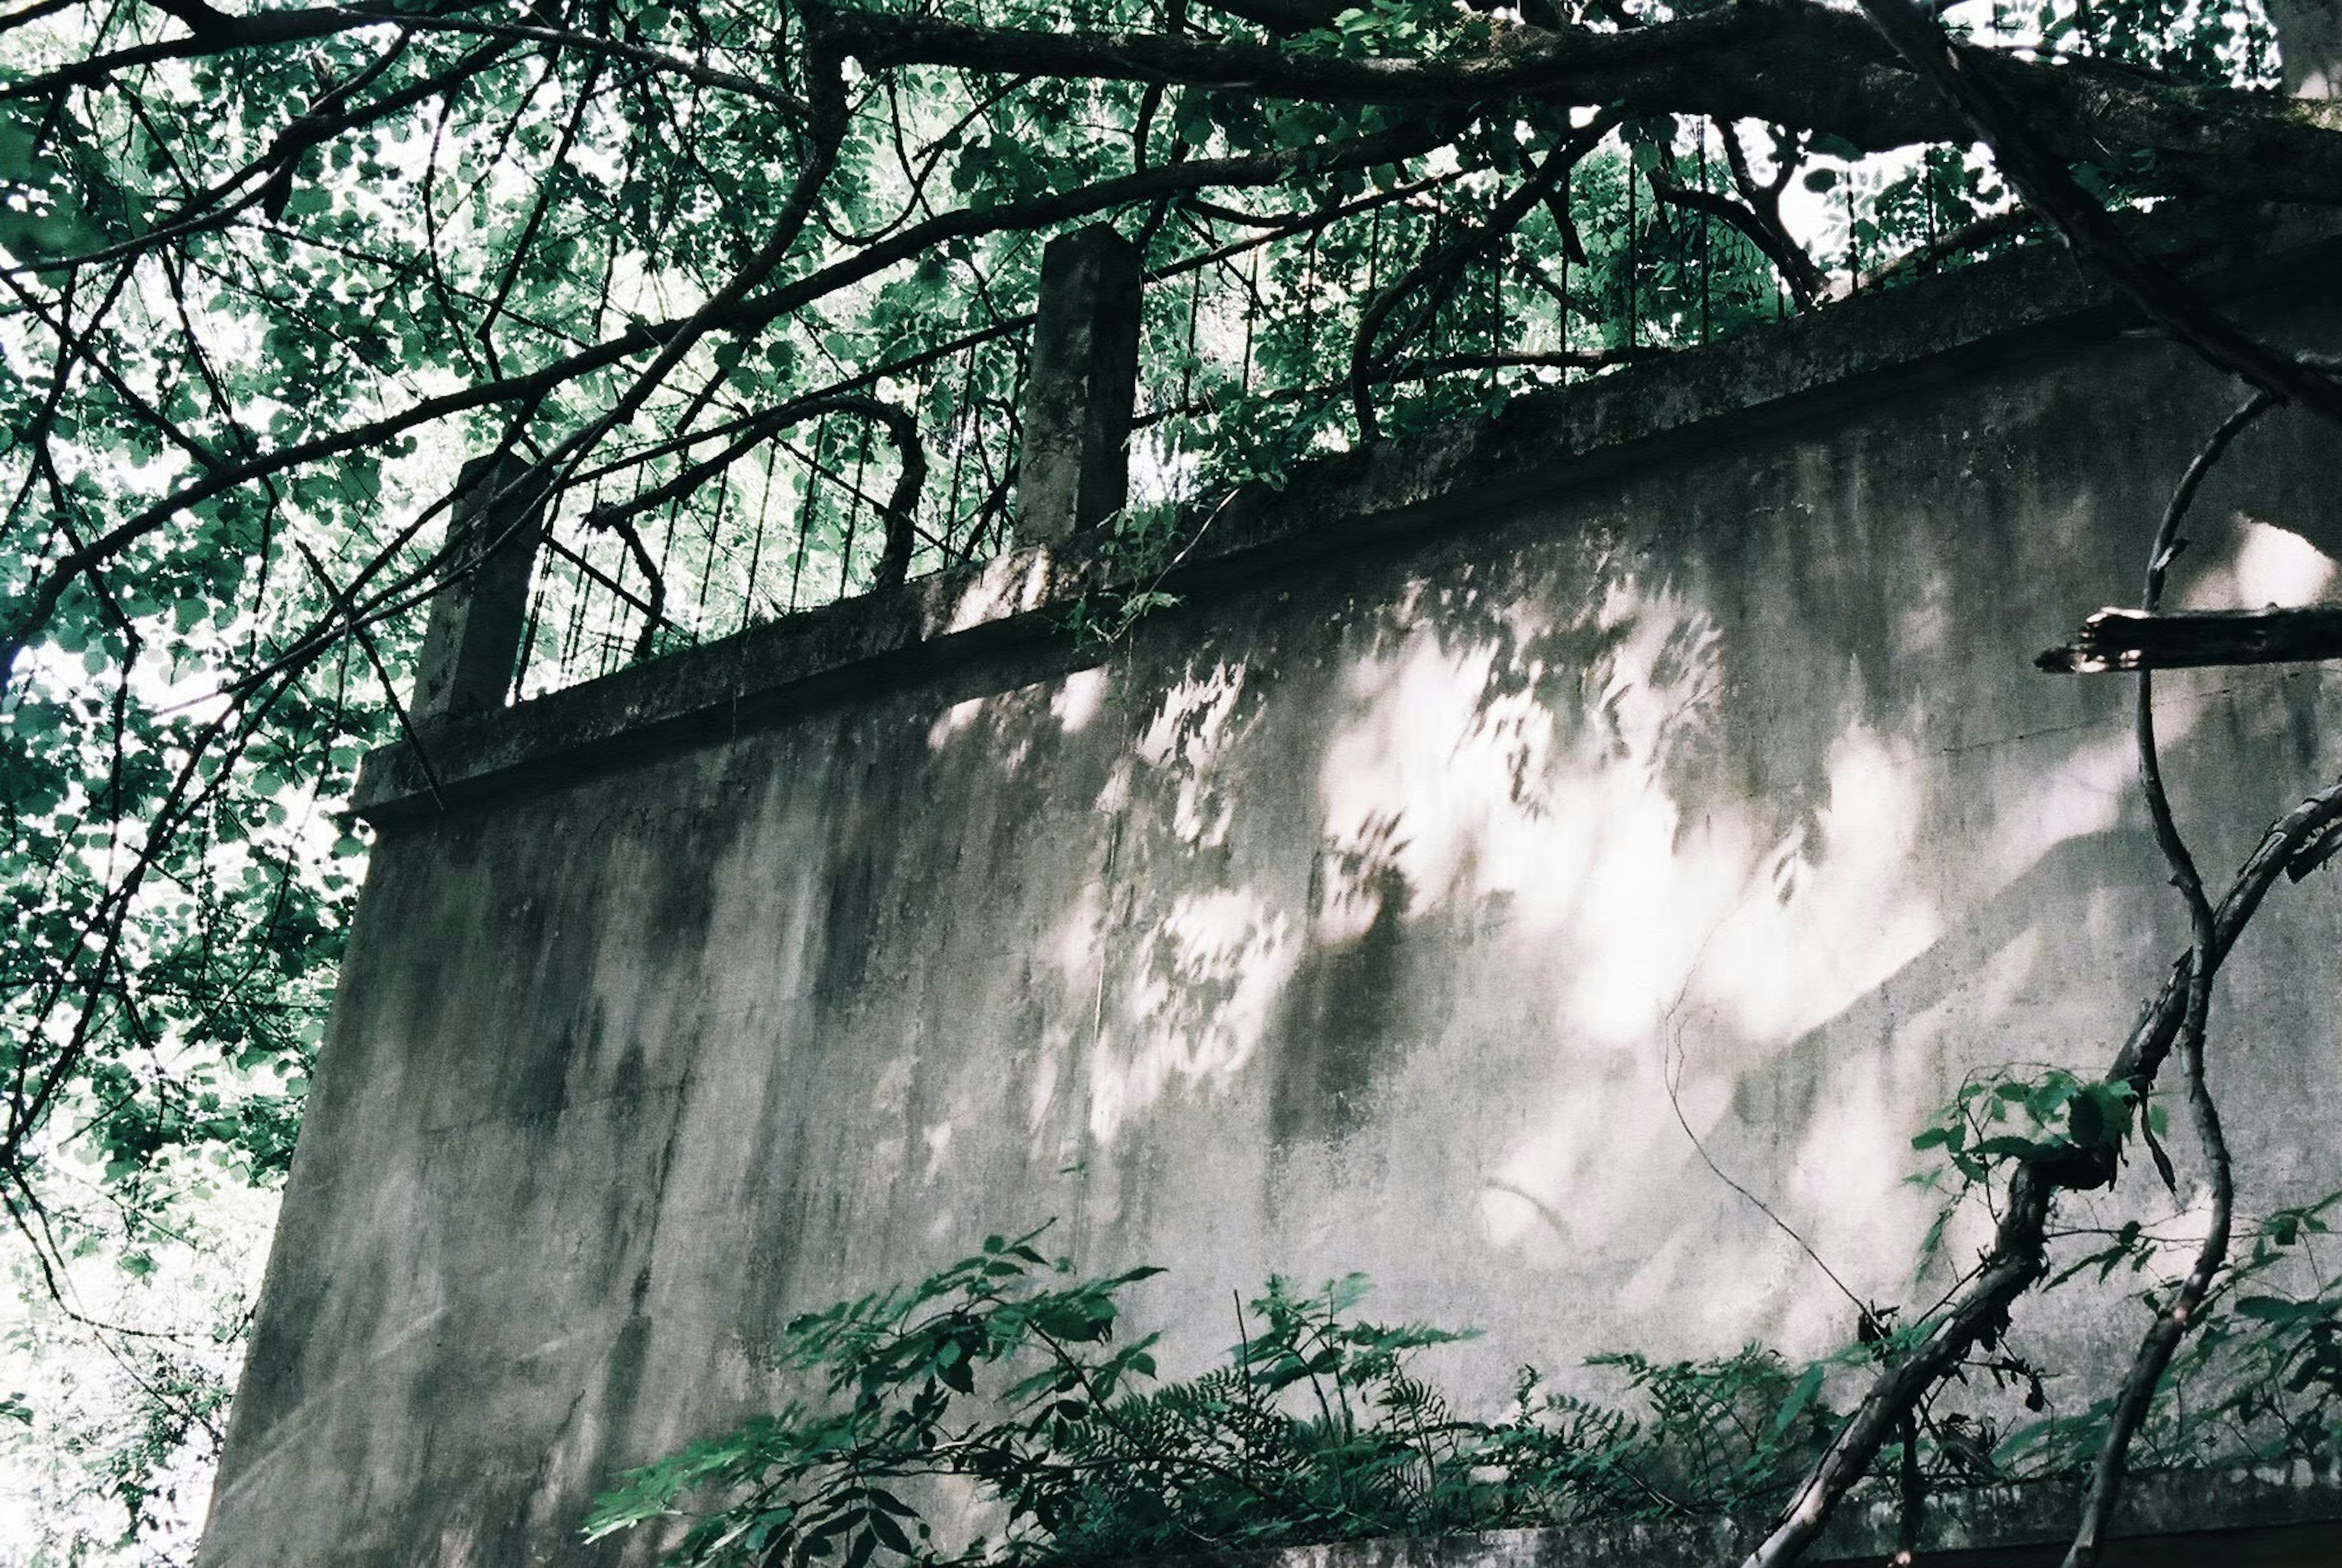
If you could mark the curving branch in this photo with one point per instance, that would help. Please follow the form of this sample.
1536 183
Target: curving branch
2172 1323
1789 258
900 508
1969 236
1804 276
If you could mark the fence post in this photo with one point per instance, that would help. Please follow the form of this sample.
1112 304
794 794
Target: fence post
1081 386
473 640
2309 47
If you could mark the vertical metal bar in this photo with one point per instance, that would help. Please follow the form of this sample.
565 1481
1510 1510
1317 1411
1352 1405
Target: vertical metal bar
1504 249
528 635
1570 213
962 423
1634 305
707 570
1309 308
1187 366
853 513
1853 246
573 640
1706 253
756 546
804 512
1928 174
1252 303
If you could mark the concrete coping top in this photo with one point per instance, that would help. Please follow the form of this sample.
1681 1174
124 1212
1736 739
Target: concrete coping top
2035 302
2290 1515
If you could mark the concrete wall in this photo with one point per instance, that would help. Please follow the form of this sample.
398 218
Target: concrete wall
1354 916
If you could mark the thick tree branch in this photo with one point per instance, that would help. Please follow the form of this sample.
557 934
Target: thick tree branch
2033 167
1786 61
228 35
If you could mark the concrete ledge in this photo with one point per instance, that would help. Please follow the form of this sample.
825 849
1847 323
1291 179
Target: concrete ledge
2234 1519
2032 303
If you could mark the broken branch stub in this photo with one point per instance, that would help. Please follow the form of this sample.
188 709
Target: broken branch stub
2117 639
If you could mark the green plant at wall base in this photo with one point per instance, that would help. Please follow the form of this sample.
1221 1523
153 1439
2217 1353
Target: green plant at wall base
1317 1427
1006 1372
1999 1118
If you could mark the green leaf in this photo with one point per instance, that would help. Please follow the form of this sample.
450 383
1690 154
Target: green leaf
1800 1398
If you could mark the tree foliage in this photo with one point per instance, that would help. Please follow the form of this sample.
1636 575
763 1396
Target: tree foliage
1007 1373
744 287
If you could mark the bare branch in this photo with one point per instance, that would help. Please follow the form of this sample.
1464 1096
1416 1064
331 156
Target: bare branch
2171 1325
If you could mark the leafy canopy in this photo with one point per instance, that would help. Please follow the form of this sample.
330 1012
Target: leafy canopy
745 288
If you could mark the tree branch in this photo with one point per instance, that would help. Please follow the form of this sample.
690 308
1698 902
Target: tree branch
2116 638
1786 61
723 313
1972 82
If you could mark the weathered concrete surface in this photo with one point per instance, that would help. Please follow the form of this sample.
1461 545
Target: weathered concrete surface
2309 44
1357 917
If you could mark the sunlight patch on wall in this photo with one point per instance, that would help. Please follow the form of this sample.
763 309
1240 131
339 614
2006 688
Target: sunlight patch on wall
1657 918
1189 733
955 721
1193 1003
2264 564
1596 854
1006 585
1413 785
1811 926
1077 699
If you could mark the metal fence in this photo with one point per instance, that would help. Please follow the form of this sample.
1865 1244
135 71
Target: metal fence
1244 362
677 544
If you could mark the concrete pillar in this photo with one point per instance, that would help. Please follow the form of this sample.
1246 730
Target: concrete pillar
476 621
1080 386
2309 46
